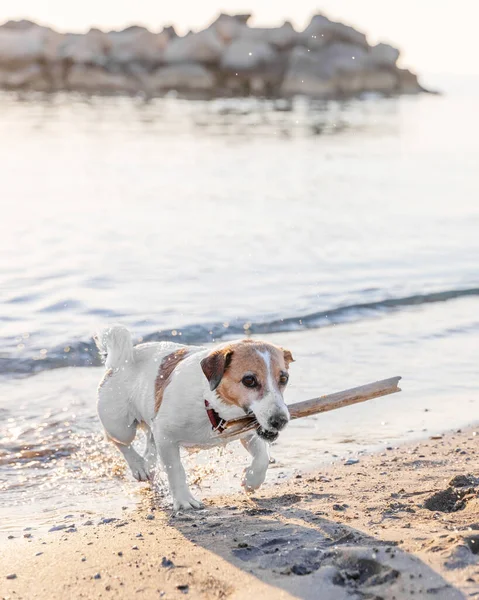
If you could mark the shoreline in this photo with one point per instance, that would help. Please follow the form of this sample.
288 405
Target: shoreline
357 531
130 493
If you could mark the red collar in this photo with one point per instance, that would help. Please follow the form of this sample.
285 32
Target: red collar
217 423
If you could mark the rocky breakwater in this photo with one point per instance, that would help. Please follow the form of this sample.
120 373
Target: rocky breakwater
326 60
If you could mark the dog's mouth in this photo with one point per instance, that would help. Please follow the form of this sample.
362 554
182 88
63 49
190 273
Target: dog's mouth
268 435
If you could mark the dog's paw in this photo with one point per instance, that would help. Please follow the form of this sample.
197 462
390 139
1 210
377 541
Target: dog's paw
140 471
186 503
252 480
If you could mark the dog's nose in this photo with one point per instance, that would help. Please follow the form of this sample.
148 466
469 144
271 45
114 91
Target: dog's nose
277 421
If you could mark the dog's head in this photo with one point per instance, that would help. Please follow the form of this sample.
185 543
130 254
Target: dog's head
252 375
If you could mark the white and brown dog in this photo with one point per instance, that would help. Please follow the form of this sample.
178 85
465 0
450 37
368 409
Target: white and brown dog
181 395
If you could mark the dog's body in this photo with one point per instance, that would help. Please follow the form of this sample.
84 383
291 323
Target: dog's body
163 387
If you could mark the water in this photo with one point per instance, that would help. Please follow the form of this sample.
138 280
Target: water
346 232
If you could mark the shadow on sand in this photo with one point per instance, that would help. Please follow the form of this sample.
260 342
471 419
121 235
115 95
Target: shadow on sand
307 555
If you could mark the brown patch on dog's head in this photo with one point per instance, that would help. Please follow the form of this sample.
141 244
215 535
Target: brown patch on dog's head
168 365
288 357
244 371
215 364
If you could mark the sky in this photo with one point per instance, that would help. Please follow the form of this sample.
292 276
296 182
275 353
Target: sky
436 36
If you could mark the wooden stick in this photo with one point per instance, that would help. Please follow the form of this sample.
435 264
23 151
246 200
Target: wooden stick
320 405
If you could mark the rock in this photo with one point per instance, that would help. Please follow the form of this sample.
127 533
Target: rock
337 70
183 78
20 47
408 82
322 31
472 542
27 77
19 25
229 27
91 79
252 66
137 45
107 520
341 57
282 38
169 30
249 56
351 461
12 576
305 76
381 82
243 18
205 47
383 55
85 49
326 60
121 524
167 563
57 527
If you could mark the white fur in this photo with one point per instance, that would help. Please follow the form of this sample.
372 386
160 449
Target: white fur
272 402
126 400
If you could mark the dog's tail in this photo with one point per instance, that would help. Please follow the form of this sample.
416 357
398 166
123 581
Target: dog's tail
116 345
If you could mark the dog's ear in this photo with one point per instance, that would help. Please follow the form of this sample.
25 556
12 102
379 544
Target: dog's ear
215 364
288 357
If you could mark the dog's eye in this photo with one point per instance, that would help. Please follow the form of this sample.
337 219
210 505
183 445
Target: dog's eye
249 381
283 379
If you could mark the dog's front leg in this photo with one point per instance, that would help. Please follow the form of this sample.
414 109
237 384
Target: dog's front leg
169 454
255 474
150 455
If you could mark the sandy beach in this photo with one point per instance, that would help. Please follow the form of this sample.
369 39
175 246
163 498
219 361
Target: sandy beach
399 524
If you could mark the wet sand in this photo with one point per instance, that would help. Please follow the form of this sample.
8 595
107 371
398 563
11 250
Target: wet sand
376 529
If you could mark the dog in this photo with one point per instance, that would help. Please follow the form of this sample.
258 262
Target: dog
182 395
